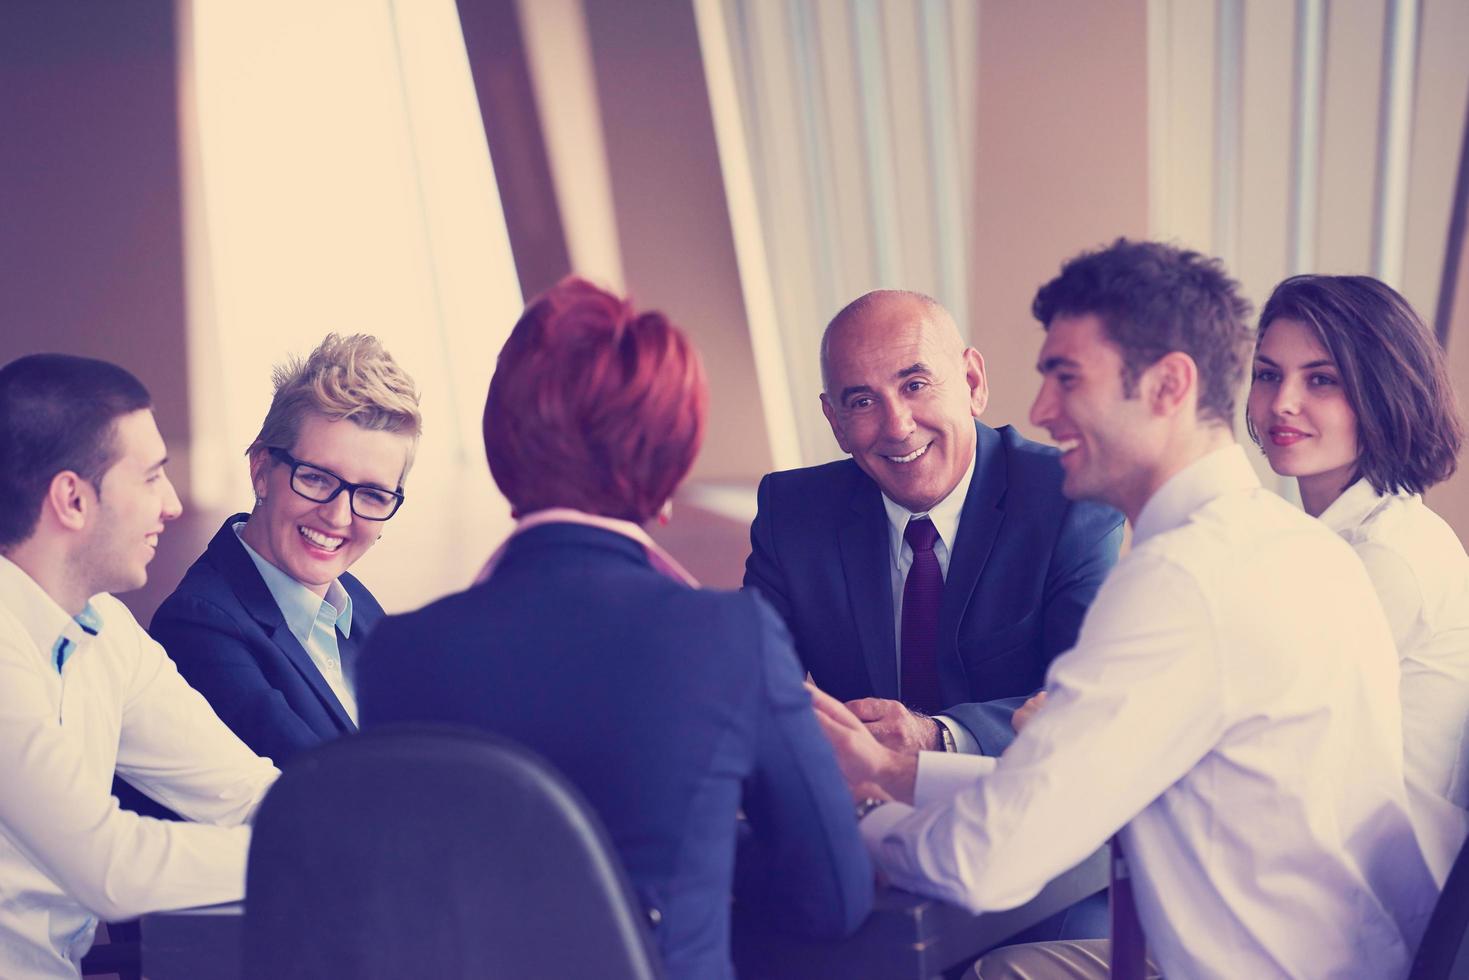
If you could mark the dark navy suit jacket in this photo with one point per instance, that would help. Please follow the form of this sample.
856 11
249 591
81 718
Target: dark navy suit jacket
230 640
668 707
1025 567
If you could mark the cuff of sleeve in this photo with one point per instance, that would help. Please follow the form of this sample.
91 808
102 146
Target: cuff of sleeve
957 737
875 826
942 774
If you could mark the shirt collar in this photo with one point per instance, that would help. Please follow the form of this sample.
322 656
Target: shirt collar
945 514
43 619
1353 507
661 561
297 603
1210 476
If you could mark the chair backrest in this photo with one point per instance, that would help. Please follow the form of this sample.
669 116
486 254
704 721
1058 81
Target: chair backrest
434 851
1443 954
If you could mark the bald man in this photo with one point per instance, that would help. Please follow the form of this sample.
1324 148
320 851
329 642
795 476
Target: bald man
929 580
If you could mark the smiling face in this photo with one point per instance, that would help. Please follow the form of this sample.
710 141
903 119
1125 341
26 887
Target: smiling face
901 395
135 501
315 543
1300 412
1112 445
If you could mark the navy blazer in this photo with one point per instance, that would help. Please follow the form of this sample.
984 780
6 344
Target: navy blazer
230 640
670 708
1025 567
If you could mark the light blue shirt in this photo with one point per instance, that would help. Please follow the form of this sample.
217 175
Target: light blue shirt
314 621
76 632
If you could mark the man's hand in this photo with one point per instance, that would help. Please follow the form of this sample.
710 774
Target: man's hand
865 763
893 725
1027 711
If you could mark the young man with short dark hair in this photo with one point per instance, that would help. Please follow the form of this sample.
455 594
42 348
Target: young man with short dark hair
84 692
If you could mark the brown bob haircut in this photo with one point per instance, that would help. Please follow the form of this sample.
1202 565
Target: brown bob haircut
593 406
1393 372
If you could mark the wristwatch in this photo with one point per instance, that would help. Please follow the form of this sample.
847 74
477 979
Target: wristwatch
866 806
946 738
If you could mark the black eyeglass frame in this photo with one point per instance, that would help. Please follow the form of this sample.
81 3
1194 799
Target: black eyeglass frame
280 455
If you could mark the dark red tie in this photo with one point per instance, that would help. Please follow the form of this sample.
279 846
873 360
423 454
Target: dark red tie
921 594
1129 947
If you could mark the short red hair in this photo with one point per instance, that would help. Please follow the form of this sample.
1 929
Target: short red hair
593 406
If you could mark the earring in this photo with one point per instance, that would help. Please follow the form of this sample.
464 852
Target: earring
665 513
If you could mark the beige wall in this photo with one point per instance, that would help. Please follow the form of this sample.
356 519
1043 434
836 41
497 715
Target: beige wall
676 242
91 243
1451 499
1061 165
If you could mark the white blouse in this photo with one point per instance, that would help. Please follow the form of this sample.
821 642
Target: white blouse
1421 574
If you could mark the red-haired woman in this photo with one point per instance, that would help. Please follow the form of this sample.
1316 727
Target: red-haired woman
1351 397
668 706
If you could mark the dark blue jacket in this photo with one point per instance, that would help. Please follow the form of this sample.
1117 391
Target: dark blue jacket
230 640
1025 567
668 707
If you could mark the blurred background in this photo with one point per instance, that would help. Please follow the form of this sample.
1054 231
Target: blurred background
196 190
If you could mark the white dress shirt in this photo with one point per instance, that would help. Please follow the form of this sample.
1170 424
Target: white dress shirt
1421 575
1231 710
67 853
945 517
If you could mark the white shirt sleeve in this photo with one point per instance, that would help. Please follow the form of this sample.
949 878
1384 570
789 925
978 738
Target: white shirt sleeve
175 748
941 775
56 809
1396 584
1131 709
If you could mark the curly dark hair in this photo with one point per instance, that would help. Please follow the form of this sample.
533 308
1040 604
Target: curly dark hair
1393 371
1153 299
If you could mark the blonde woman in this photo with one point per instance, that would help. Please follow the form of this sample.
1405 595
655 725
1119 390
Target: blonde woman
267 623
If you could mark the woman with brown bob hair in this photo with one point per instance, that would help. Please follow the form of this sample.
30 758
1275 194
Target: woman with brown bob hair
669 706
1350 396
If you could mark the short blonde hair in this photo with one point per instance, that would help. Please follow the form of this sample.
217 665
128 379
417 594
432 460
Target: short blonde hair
344 378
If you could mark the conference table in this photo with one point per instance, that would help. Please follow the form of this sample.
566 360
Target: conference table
907 936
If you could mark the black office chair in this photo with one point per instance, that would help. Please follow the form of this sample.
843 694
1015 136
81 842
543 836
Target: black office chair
1444 954
431 851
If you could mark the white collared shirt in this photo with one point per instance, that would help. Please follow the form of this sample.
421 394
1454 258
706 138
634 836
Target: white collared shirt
945 516
1421 574
67 853
1231 710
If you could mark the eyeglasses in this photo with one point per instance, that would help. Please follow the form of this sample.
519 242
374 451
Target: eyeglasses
322 486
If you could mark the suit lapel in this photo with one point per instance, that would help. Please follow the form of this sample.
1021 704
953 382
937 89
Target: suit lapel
979 523
366 614
229 555
865 561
